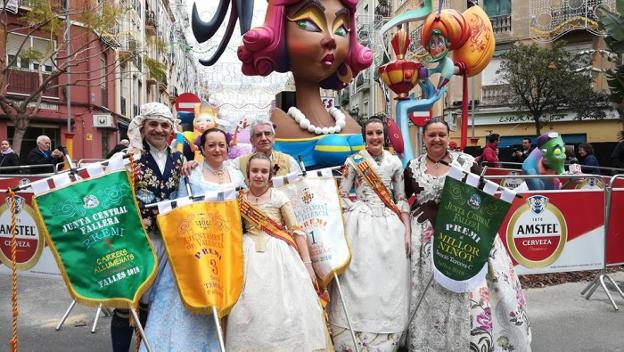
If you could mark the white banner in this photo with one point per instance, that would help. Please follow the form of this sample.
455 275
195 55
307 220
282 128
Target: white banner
317 207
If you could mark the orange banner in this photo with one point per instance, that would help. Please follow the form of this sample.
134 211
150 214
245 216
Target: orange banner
204 245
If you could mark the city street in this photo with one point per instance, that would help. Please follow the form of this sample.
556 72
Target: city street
561 319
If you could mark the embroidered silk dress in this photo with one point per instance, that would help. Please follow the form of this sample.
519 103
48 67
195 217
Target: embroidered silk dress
278 310
492 317
170 327
376 283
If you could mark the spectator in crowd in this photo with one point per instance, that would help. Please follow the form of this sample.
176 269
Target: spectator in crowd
123 144
519 156
489 155
8 158
570 155
41 155
617 157
587 159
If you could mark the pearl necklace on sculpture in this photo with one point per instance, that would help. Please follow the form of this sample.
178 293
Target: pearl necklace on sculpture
305 124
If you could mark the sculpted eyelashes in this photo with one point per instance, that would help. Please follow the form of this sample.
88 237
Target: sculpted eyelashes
309 18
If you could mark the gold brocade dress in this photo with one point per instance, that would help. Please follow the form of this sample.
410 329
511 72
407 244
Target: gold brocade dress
278 309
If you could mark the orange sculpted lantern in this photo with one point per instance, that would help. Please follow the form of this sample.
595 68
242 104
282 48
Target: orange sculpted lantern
451 24
478 50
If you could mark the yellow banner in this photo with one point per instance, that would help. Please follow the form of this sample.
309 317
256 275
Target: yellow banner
204 245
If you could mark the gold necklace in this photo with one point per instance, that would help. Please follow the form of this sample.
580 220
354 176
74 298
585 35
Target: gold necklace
436 164
259 195
219 173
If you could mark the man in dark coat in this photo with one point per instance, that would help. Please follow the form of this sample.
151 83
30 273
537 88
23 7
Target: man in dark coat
41 155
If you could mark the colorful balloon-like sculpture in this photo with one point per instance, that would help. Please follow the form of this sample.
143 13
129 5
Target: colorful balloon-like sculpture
547 159
468 35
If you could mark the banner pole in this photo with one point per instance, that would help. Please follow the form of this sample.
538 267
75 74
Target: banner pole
344 308
97 316
140 327
420 299
215 314
60 324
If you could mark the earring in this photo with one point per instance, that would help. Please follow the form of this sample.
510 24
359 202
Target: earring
344 73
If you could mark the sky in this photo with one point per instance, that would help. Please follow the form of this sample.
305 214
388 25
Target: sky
237 95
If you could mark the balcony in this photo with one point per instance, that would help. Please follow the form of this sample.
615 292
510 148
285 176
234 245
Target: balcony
362 82
150 22
22 82
501 24
128 48
550 21
383 9
495 94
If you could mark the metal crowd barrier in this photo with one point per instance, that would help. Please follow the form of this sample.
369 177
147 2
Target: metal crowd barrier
510 165
599 280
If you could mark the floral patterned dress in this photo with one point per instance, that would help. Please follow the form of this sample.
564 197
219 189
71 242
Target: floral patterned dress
492 317
376 282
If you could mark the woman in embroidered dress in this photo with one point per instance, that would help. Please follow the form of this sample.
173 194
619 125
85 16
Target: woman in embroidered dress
376 283
493 316
170 327
316 40
278 309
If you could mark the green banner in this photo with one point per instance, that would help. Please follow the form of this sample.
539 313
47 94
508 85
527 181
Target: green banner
466 226
96 234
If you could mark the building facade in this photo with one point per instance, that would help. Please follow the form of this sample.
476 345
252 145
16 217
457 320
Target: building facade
110 78
540 21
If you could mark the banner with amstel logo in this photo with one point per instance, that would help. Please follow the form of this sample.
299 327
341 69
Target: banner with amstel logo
548 232
96 233
204 243
316 204
34 258
30 241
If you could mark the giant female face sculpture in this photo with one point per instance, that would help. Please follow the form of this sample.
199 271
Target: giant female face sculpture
316 41
315 22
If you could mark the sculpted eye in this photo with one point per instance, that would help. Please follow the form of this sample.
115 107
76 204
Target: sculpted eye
341 31
308 25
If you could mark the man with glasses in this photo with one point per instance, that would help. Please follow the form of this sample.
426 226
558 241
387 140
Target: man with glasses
262 138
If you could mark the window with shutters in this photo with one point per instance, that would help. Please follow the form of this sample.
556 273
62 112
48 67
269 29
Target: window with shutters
32 52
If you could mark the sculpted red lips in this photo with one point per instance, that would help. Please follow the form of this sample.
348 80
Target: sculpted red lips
328 59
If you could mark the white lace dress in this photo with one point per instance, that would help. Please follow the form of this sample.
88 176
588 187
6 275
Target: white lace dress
492 317
278 310
376 283
170 327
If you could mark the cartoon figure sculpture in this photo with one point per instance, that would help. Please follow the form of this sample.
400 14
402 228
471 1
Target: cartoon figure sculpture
547 159
318 44
205 118
468 35
240 143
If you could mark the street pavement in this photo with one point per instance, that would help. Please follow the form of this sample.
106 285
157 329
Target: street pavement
562 320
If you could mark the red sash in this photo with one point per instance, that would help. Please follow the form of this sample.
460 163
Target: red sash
362 166
259 219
